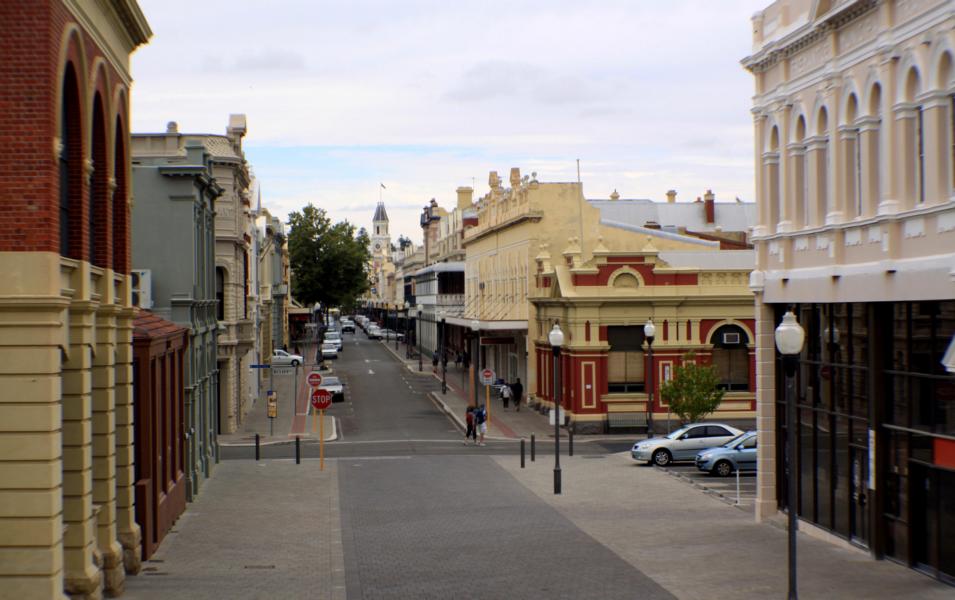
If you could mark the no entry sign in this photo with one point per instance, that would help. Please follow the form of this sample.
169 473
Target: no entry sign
321 399
487 376
314 379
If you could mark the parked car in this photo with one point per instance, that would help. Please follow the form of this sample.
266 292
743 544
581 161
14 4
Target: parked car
281 358
334 386
373 333
335 337
738 454
683 444
347 326
329 350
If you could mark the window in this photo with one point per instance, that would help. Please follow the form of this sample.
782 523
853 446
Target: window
716 430
919 156
220 293
750 443
731 358
625 364
697 433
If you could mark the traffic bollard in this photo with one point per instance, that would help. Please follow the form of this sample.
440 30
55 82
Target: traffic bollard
522 453
298 450
256 446
533 447
570 442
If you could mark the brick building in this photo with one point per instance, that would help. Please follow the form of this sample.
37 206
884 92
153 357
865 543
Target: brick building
66 414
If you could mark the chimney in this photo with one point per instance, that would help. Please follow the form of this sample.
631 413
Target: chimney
464 197
671 196
615 195
515 177
709 207
172 127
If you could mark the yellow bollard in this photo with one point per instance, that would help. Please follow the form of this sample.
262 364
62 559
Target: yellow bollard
321 441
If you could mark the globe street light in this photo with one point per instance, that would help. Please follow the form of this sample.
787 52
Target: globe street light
418 337
790 337
556 339
649 331
407 332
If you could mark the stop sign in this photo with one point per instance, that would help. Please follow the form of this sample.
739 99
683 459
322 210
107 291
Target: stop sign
321 399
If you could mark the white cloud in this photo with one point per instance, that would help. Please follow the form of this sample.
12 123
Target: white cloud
649 95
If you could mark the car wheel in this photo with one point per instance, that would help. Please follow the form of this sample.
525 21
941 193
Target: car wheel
294 363
723 468
662 458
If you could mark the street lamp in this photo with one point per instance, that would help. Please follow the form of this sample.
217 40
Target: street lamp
444 353
395 330
556 339
418 337
789 341
649 331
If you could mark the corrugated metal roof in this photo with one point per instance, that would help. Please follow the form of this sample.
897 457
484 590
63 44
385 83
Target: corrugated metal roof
729 216
711 260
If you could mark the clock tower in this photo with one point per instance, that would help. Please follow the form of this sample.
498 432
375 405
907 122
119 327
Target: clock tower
380 238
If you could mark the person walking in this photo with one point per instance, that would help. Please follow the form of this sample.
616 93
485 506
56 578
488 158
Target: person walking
471 433
480 422
505 394
517 392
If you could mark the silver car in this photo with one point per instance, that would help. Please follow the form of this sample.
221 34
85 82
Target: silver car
683 444
281 358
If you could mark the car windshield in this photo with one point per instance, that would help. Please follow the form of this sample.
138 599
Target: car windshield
733 441
330 381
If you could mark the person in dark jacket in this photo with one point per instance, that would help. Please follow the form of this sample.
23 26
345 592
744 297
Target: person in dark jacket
517 392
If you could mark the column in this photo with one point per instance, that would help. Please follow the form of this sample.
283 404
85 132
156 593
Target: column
817 158
849 175
81 555
889 165
906 154
31 496
104 438
936 139
759 126
869 128
795 178
766 411
836 163
127 530
771 191
784 207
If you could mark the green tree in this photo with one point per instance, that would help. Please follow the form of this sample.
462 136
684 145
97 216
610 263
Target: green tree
329 261
692 393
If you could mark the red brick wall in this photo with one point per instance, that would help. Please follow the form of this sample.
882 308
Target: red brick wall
35 50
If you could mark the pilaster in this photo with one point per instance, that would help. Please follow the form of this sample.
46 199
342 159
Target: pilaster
127 530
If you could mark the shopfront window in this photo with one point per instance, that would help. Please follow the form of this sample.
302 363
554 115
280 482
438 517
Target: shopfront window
625 361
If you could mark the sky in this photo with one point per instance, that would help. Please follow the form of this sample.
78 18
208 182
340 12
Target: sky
425 96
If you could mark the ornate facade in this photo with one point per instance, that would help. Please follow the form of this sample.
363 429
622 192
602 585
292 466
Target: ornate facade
855 166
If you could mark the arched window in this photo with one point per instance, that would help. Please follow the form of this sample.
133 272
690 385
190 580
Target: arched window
853 159
946 72
120 205
913 128
800 175
822 166
872 136
98 189
71 159
731 357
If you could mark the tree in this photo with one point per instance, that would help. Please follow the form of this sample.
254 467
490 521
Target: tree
329 262
692 393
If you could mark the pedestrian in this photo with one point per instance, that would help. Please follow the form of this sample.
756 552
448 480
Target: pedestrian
471 433
466 359
457 359
480 422
505 394
517 392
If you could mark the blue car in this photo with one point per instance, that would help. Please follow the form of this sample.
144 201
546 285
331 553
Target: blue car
737 454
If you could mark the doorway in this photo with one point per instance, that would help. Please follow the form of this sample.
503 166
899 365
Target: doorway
933 508
858 493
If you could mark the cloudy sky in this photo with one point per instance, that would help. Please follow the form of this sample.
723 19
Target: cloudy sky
429 95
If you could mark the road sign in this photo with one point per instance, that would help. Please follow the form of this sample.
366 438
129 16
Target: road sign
321 399
487 376
314 379
260 366
283 370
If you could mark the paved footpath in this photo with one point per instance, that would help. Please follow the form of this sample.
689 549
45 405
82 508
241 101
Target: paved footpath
259 531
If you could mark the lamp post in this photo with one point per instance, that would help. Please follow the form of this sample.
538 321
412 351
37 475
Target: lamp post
556 339
789 341
418 337
649 331
444 353
476 357
395 330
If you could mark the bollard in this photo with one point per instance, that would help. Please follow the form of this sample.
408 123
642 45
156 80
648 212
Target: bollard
256 446
570 442
298 450
533 448
522 453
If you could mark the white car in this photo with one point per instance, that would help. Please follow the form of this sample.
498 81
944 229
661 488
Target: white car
281 358
683 444
335 338
329 350
334 386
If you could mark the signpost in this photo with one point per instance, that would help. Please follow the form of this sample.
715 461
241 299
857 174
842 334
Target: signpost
321 399
487 378
314 379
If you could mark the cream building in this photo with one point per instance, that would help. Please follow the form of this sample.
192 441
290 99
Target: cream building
855 174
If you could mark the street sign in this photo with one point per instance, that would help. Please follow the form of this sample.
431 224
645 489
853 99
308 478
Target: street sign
487 376
321 399
260 366
314 379
283 370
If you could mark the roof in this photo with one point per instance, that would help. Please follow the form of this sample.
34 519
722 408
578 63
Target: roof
719 260
220 147
380 214
147 325
442 267
729 216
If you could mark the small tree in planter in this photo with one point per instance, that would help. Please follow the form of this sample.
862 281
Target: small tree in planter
692 393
